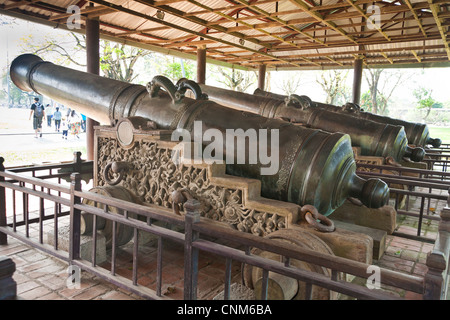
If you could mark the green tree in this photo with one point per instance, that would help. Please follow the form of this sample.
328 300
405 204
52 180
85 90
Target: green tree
382 84
425 100
169 66
17 97
117 61
333 84
236 80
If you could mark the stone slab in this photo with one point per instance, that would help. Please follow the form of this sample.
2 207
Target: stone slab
378 236
85 244
346 243
384 218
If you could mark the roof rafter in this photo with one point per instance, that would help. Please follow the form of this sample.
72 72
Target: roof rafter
408 3
180 28
435 10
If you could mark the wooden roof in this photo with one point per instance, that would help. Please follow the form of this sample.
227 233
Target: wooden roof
303 34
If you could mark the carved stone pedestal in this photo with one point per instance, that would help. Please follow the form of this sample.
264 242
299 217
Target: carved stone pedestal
85 244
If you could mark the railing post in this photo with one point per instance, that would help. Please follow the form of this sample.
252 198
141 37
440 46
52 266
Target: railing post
75 218
77 162
3 237
436 277
8 287
192 208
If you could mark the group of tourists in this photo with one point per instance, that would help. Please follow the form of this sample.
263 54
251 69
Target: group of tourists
72 122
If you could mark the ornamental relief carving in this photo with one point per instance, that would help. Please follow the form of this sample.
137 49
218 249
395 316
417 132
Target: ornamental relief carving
153 177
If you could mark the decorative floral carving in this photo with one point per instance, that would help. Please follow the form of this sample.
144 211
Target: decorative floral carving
153 177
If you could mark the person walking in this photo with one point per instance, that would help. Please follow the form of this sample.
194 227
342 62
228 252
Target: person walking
38 113
64 128
49 113
74 123
57 116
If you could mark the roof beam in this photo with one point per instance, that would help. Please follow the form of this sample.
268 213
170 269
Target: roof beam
416 55
316 15
352 3
369 41
408 3
435 10
197 20
186 30
282 22
88 10
260 30
356 54
386 57
18 4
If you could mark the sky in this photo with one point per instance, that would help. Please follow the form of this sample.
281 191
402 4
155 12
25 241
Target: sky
12 33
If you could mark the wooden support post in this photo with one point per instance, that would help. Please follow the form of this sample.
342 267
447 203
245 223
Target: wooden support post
201 65
192 216
3 237
437 277
262 76
93 66
357 77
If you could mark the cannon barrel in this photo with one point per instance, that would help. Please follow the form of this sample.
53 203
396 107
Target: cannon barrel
315 168
374 139
417 133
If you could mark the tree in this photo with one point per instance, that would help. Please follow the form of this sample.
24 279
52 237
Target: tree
290 85
17 97
236 80
380 94
171 67
425 100
117 61
333 83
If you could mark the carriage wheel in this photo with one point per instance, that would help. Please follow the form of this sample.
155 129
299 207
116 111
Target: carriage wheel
284 288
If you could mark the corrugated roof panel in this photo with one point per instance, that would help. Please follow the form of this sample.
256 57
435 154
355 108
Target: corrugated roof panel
398 24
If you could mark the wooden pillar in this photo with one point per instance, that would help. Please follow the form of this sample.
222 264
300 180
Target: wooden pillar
357 77
261 76
93 66
201 65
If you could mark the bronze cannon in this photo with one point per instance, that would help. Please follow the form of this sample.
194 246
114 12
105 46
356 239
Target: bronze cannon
374 139
418 134
316 168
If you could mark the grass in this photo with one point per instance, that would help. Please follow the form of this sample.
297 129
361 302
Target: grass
442 133
22 158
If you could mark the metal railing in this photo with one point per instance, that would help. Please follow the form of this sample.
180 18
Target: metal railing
196 230
426 185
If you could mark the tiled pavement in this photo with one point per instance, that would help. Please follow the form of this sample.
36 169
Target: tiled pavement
42 277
